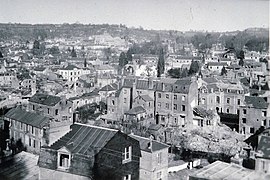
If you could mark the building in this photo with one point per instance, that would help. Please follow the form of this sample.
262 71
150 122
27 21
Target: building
253 114
91 152
72 73
216 66
154 159
262 155
32 129
222 170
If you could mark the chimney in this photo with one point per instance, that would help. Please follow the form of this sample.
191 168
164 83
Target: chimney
163 86
150 83
150 143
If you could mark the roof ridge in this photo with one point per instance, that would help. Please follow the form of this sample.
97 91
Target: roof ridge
88 125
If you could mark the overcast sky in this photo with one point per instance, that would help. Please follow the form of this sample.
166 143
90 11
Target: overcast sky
217 15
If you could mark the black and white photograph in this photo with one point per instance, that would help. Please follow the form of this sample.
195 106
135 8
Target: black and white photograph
134 90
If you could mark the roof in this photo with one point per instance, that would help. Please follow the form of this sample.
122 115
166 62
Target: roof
145 144
29 118
39 68
136 110
222 170
146 98
45 99
109 87
217 64
85 139
69 67
264 146
256 102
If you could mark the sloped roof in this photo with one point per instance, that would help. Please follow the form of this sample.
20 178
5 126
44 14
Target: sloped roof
256 102
85 139
146 146
136 110
146 98
217 64
109 87
264 146
29 118
45 99
69 67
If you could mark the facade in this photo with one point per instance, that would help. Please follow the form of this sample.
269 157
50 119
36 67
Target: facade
72 73
216 66
154 159
91 152
253 114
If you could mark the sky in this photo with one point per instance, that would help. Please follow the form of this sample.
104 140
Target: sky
182 15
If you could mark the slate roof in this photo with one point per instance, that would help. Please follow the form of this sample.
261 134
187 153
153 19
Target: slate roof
29 118
136 110
85 139
256 102
45 99
146 98
217 64
145 144
109 87
264 146
69 67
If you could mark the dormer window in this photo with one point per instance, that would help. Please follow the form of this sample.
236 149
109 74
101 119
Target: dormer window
127 154
63 158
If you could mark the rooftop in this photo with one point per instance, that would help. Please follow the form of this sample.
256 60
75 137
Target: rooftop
136 110
256 102
145 144
45 99
29 118
222 170
85 139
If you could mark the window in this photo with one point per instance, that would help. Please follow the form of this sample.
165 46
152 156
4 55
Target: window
127 177
264 113
125 100
244 120
48 110
63 160
113 102
34 143
29 141
125 91
238 101
159 174
21 126
167 105
251 130
203 100
183 108
228 100
175 97
244 111
159 158
228 110
33 107
175 106
167 96
183 98
127 154
159 95
56 112
218 99
159 105
33 130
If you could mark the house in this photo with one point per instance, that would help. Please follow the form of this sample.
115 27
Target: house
262 155
223 170
105 79
216 66
107 90
72 73
105 68
86 98
253 114
91 152
32 129
154 159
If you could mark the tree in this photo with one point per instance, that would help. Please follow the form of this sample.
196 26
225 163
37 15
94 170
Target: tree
85 63
161 63
223 71
122 60
241 62
241 54
129 55
36 47
194 67
73 53
1 55
54 50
